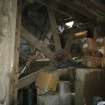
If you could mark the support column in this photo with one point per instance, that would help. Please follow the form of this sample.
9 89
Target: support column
69 41
79 86
8 10
54 28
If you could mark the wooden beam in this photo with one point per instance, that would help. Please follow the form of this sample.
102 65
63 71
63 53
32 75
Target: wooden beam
78 8
69 9
69 41
42 46
27 80
17 50
54 28
81 34
8 10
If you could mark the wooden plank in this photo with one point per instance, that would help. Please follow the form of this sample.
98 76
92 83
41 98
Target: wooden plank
42 46
8 10
54 28
27 80
17 50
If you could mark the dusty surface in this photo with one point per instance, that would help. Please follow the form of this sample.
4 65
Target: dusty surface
7 40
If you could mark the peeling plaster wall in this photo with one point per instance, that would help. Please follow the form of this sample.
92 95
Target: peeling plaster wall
7 45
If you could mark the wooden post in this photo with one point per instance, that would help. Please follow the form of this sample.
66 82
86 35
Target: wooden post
54 28
79 86
69 41
8 10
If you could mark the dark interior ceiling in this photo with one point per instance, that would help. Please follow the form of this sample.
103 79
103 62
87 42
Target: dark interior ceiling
86 14
35 17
